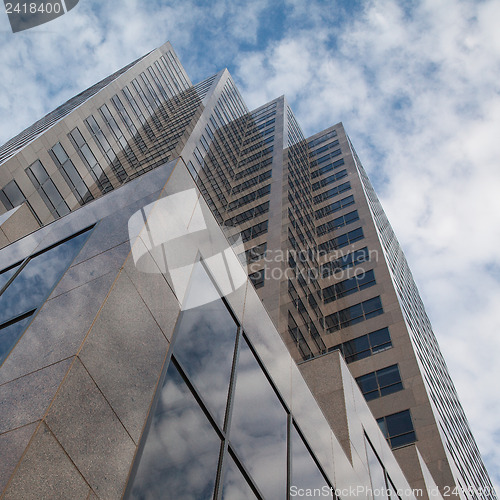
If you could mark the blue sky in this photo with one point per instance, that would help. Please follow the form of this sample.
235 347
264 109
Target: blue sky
416 84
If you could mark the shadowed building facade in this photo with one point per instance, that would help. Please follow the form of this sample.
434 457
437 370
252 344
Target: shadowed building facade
140 320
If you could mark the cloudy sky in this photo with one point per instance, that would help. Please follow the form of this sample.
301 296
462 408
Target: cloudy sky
417 85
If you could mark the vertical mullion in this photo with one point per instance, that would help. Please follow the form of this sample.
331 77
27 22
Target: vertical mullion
227 420
289 455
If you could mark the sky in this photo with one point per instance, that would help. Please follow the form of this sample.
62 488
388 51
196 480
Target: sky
416 84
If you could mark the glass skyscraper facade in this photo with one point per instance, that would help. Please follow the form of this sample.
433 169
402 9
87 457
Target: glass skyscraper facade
207 408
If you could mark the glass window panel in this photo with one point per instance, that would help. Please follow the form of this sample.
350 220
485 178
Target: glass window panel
399 423
78 138
407 438
388 376
371 395
358 356
259 427
379 337
52 193
367 383
353 312
6 275
72 173
88 155
10 334
39 172
383 427
360 344
372 305
377 474
38 278
390 389
60 153
235 485
62 208
181 451
13 193
205 343
305 472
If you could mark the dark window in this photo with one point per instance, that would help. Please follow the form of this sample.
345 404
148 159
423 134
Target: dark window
342 240
398 428
329 180
321 139
253 254
90 161
257 278
334 207
248 214
327 168
346 261
331 193
255 195
348 286
47 189
11 195
354 314
336 223
380 383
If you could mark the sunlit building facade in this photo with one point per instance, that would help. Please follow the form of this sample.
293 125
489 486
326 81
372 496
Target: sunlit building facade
199 302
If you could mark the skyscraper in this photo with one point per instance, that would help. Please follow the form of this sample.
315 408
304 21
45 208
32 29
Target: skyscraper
302 217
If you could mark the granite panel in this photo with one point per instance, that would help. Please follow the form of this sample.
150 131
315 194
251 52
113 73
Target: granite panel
26 399
12 446
91 434
46 472
124 354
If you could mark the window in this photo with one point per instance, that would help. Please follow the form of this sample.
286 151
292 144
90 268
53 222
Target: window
346 261
248 214
322 149
336 223
329 180
331 193
334 207
327 168
325 158
348 286
354 314
47 189
364 346
380 383
251 232
253 254
321 139
255 195
258 278
342 240
206 387
71 174
398 428
26 285
90 161
11 195
252 182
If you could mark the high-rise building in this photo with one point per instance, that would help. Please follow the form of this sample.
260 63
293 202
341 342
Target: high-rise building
135 356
